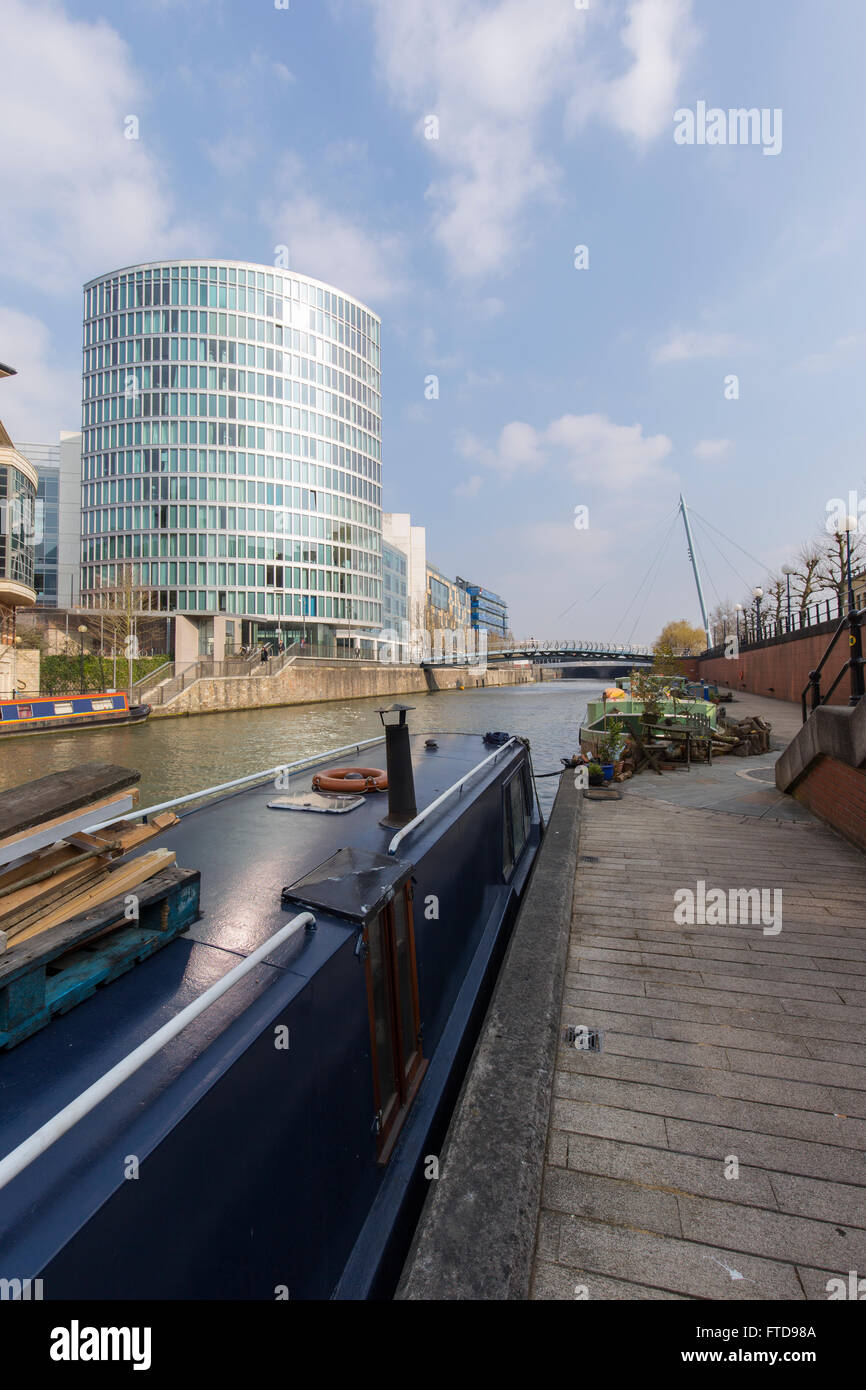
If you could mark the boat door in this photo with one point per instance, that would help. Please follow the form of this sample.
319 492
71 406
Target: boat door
395 1025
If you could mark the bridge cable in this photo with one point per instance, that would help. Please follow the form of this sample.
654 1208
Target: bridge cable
654 561
651 531
762 563
657 565
727 561
707 572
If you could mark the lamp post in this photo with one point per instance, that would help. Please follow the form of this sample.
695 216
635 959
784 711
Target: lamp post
855 638
758 594
738 608
787 571
81 631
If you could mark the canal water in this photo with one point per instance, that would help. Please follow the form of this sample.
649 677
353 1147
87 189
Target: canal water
178 756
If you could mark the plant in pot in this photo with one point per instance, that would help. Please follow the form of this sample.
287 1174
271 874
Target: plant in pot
595 776
609 749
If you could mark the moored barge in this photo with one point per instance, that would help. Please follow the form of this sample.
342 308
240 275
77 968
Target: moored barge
49 713
271 1086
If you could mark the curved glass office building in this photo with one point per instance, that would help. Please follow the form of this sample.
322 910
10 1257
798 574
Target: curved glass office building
231 459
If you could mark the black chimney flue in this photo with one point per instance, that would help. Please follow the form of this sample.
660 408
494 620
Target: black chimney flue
401 781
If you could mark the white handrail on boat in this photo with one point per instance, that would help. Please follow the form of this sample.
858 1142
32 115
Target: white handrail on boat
422 815
240 781
51 1131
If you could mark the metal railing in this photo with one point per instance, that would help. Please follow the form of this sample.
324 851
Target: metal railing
48 1134
852 622
246 781
457 786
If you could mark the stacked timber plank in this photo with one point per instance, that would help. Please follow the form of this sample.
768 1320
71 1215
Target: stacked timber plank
81 898
52 866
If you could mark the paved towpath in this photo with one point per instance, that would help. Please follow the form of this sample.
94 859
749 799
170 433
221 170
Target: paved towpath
726 1050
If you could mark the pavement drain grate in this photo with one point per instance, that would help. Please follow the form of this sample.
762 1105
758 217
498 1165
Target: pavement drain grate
589 859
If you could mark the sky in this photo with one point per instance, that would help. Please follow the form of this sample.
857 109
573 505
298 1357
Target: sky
543 407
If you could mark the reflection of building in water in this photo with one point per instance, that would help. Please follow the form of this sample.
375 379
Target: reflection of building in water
18 482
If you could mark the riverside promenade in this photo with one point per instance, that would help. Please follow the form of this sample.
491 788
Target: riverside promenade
714 1147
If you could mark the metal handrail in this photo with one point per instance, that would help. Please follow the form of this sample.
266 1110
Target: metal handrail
422 815
48 1134
852 621
243 781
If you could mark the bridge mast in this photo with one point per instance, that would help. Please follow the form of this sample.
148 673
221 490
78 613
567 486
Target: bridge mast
694 560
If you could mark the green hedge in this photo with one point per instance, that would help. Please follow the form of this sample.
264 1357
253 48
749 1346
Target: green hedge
61 675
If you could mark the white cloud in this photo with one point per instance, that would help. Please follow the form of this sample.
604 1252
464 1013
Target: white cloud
591 449
833 357
333 246
43 398
519 449
489 72
659 37
614 456
78 198
470 487
711 448
686 346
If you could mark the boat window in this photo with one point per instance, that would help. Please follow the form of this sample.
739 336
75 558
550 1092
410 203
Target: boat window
515 821
395 1029
101 705
62 708
25 711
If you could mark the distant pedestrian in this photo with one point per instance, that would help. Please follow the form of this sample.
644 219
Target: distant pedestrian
264 653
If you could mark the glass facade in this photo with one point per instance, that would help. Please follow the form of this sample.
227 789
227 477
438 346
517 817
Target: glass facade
489 610
17 521
231 457
46 460
395 587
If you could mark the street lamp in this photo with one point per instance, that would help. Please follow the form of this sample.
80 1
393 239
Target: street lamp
758 595
738 608
787 571
81 631
855 638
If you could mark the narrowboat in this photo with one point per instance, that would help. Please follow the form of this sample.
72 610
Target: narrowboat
47 713
255 1111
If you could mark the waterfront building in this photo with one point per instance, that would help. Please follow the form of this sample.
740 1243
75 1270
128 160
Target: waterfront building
398 531
18 482
448 605
231 459
395 601
489 611
57 549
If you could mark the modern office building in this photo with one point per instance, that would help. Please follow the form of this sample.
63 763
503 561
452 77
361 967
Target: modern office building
489 611
398 531
395 575
448 605
57 549
18 481
232 457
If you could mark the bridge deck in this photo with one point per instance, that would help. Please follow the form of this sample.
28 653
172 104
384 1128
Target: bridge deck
720 1043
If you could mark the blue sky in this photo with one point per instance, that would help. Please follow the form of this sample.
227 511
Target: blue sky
557 387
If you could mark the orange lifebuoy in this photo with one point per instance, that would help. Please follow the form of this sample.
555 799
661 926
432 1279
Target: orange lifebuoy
350 779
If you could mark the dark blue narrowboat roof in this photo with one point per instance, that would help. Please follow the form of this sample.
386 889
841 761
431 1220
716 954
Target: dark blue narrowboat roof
246 854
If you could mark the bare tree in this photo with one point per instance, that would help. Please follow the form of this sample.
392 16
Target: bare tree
832 571
120 607
804 580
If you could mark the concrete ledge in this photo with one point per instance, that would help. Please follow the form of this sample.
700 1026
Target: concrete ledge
476 1236
829 732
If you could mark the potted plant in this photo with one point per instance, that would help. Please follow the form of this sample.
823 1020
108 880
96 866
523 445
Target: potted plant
595 776
609 749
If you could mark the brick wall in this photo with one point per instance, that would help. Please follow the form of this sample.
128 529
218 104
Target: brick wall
780 669
837 793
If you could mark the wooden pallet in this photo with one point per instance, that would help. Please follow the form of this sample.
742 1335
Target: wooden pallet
58 969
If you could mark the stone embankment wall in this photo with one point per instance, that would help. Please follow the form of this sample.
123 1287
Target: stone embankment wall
308 682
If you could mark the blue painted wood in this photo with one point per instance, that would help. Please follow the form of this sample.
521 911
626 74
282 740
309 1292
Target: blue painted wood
53 983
